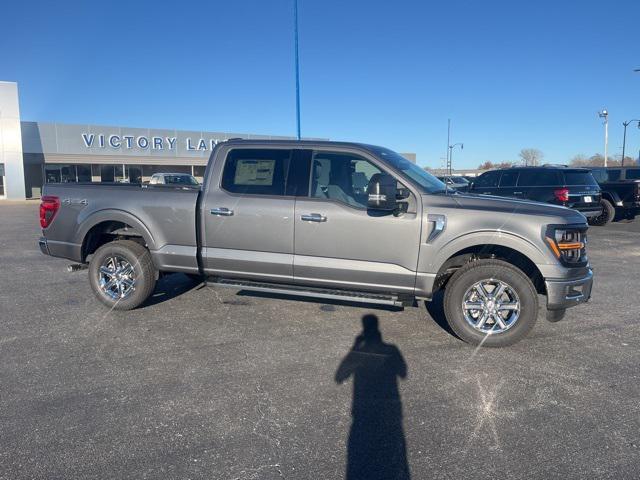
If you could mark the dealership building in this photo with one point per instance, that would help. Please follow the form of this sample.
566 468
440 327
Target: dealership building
34 153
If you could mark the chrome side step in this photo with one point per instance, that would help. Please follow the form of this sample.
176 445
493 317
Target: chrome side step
312 292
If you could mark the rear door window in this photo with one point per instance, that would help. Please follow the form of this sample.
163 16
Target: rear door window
633 174
509 179
487 180
253 171
579 178
538 178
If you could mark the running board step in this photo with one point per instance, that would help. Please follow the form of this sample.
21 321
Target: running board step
331 294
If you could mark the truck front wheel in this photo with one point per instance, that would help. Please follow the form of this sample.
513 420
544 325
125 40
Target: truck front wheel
122 274
490 303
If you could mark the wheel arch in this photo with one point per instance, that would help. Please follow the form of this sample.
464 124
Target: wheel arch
108 225
519 253
611 196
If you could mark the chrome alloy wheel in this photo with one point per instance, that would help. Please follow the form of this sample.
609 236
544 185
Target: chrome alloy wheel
491 306
116 277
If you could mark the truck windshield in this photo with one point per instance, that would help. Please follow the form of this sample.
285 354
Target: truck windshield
427 182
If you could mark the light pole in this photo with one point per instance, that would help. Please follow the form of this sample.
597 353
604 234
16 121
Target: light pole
624 137
604 114
448 165
451 153
295 29
450 147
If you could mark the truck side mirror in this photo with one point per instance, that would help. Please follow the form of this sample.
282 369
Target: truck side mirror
382 191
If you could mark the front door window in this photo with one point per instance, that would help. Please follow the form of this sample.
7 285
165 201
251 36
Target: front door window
342 177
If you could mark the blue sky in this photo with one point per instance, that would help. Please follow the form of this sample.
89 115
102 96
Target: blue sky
510 74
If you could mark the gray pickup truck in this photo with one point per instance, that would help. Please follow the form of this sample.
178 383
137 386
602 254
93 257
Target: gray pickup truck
328 220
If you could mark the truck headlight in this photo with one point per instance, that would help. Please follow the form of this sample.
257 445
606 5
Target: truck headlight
568 243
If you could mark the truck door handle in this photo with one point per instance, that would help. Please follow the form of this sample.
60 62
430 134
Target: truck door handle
222 211
313 217
517 193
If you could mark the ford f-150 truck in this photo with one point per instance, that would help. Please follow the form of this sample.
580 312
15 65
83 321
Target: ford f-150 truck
332 221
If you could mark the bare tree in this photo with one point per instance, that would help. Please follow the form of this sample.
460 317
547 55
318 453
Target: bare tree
489 165
597 160
579 160
531 156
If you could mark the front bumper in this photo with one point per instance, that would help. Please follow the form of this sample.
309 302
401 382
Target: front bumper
44 247
563 294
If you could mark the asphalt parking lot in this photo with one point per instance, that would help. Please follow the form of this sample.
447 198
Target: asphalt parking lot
215 384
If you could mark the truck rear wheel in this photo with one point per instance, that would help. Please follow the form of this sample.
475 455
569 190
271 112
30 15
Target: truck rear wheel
490 303
607 215
122 274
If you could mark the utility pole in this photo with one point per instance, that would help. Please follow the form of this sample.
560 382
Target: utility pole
624 137
297 66
605 114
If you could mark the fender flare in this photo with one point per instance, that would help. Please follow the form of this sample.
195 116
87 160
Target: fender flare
113 215
612 196
501 239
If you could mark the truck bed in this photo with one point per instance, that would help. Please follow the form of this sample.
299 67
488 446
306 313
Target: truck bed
164 215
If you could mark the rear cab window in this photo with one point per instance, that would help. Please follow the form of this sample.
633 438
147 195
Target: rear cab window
613 175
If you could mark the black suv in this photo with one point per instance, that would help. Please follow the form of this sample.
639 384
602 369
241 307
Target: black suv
458 182
620 192
570 187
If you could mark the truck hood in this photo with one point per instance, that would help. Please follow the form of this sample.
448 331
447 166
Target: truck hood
511 206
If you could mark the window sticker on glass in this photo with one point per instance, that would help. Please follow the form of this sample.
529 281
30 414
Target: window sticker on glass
254 172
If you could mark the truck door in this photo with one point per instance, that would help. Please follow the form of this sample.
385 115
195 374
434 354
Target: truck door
339 243
248 216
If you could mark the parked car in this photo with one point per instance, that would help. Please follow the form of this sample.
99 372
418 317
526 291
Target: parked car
173 179
620 192
573 188
292 217
459 183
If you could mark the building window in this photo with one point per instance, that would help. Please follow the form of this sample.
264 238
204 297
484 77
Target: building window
52 173
198 172
83 173
106 173
60 173
134 173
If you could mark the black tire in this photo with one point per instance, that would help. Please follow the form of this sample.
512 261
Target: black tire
607 215
469 275
144 273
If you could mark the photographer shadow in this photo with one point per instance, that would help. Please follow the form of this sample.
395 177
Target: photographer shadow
376 446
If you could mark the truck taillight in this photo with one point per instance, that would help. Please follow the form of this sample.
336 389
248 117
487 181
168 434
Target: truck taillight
561 194
49 206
